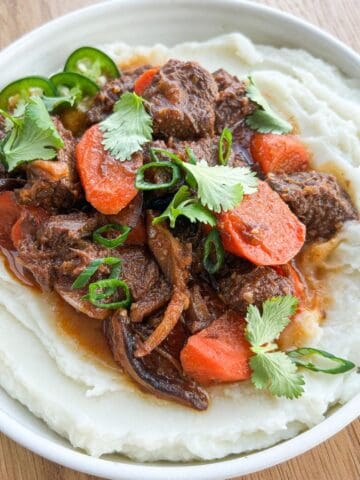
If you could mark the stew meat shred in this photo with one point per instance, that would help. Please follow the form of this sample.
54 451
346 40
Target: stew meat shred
173 295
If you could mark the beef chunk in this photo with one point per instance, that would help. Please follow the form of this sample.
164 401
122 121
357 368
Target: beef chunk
53 185
105 100
205 306
182 96
238 290
157 373
317 200
156 298
232 104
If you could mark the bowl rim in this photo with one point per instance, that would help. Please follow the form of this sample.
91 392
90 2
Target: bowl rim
222 468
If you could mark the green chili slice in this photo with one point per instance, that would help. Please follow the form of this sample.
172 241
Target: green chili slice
83 279
190 180
93 64
300 358
225 146
213 248
22 89
109 287
73 84
111 242
142 184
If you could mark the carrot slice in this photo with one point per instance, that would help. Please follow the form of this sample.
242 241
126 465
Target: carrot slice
144 80
279 153
219 353
262 229
10 212
108 183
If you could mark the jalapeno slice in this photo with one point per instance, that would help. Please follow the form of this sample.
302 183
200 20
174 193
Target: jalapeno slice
68 83
22 89
93 64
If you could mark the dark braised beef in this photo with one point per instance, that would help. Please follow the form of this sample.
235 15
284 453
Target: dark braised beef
53 185
238 290
105 100
182 97
317 200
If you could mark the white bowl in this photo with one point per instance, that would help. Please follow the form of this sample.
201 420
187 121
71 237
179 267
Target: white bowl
168 21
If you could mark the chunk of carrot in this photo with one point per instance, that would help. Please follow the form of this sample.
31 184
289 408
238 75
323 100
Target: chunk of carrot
144 80
220 353
108 183
262 229
10 212
279 153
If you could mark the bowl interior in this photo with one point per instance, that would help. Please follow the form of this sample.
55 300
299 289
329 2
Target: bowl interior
147 22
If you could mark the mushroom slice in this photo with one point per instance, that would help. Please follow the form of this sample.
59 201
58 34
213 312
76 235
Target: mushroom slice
154 373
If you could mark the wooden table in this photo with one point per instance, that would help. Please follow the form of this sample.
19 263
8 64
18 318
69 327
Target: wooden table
337 459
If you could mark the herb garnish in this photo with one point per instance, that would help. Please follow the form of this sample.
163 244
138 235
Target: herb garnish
183 203
264 119
33 136
213 248
128 128
272 369
225 146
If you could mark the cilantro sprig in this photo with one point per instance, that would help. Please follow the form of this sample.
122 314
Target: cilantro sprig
271 369
219 188
128 128
186 205
264 119
33 136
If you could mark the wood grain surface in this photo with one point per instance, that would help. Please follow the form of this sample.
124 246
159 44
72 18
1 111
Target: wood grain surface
338 458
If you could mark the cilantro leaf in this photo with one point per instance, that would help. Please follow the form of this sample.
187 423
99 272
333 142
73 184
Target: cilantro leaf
271 369
266 328
276 372
264 119
51 103
221 188
128 128
184 204
32 137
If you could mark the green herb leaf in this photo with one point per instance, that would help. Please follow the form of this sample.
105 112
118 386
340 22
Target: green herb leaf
34 137
128 128
51 103
183 204
221 188
272 370
264 119
277 373
266 328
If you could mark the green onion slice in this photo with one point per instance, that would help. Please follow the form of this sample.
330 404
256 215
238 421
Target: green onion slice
111 242
107 289
300 358
225 145
142 184
190 180
85 276
191 155
213 248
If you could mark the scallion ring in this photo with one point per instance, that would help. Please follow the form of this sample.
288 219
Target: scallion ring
83 279
111 242
213 248
109 285
189 178
142 184
300 355
225 146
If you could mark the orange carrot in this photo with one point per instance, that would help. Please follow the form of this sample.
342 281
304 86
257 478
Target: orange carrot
219 353
10 212
279 153
262 229
144 80
108 183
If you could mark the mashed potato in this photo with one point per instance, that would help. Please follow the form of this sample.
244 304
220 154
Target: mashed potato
94 405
